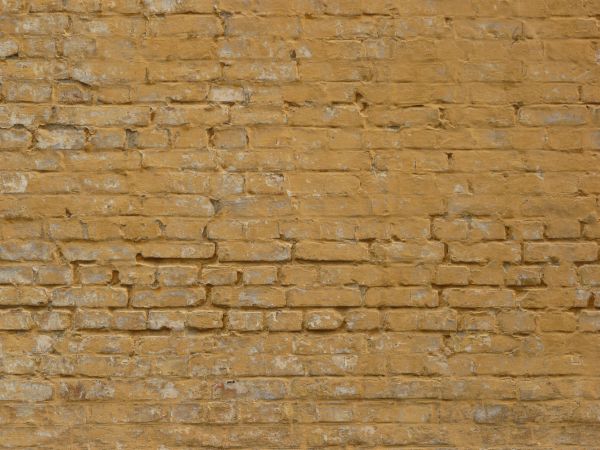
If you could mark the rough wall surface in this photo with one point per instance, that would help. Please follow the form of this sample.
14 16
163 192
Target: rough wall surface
299 224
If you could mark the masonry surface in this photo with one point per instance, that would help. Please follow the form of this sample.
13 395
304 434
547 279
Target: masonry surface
299 224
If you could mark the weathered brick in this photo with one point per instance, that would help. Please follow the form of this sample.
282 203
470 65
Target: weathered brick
258 297
27 296
60 139
172 320
245 320
589 321
326 297
479 298
363 320
97 251
410 252
16 275
129 320
218 275
493 251
89 297
16 390
15 319
167 297
26 251
254 251
331 251
177 275
284 320
516 322
561 251
205 320
397 297
323 320
260 275
177 251
53 320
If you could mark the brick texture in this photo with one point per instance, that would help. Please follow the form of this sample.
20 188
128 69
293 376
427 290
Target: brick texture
299 224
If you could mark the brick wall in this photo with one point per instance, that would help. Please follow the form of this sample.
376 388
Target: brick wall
299 224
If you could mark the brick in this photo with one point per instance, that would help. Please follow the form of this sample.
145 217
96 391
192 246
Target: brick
326 297
561 251
226 94
410 252
178 251
283 320
26 251
89 297
15 390
91 320
254 251
558 322
15 319
256 296
8 47
589 321
479 298
260 275
363 320
172 320
129 320
438 320
177 275
27 296
60 139
516 322
449 275
245 320
218 276
53 320
95 275
136 275
323 320
334 251
97 252
401 297
167 297
493 251
205 320
16 275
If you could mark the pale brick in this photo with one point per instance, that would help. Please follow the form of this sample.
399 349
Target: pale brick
167 297
325 297
284 320
172 320
129 320
479 298
331 251
397 297
60 139
254 251
258 297
178 251
245 320
89 297
15 319
323 320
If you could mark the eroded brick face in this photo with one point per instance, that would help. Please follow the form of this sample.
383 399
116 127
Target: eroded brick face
299 224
